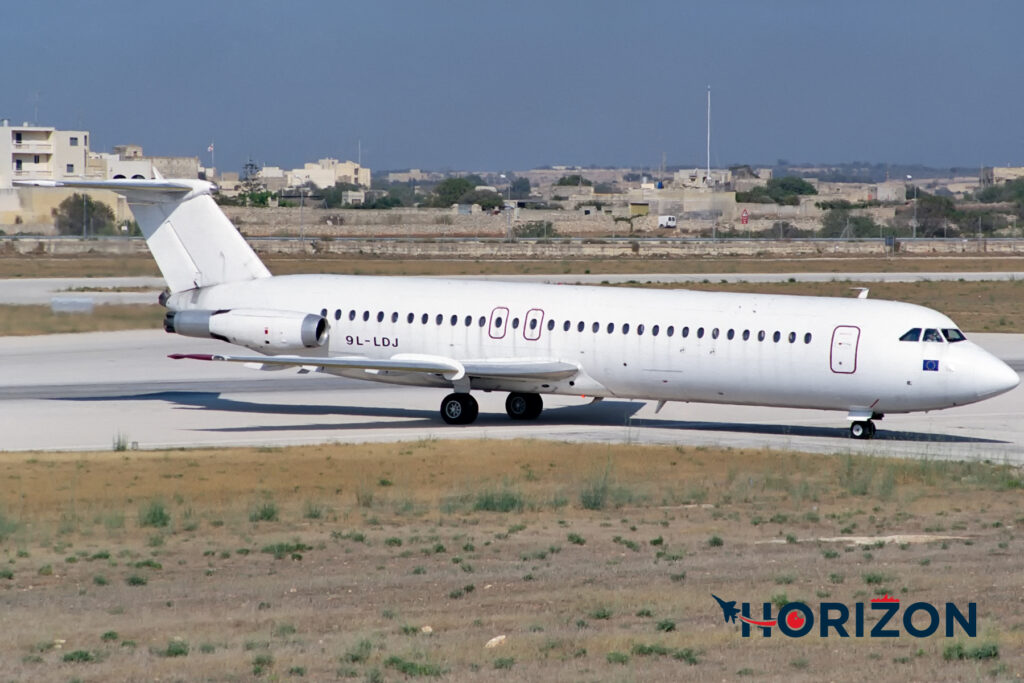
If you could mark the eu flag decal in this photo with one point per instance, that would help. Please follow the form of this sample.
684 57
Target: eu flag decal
930 366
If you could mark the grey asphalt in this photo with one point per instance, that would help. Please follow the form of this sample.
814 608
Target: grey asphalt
86 391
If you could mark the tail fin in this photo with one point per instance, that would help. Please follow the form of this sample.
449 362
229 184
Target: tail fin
193 242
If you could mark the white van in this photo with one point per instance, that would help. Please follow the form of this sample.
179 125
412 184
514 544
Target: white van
666 221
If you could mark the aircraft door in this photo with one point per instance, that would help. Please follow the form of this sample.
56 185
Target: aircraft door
533 324
845 339
498 323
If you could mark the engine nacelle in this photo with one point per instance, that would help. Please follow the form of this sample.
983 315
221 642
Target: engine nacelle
267 331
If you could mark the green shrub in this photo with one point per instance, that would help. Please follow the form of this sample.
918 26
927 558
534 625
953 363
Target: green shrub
264 512
498 501
154 514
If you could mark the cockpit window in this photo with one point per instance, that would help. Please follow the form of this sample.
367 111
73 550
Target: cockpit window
953 335
912 335
931 335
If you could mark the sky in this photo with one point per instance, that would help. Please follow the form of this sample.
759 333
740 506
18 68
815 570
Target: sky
515 85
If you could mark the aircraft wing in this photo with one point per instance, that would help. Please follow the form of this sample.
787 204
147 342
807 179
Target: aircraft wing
449 368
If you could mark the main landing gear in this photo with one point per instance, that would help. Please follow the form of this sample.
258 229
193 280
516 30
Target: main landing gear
459 409
462 409
523 406
862 430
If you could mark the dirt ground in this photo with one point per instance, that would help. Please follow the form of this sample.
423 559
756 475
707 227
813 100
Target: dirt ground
388 562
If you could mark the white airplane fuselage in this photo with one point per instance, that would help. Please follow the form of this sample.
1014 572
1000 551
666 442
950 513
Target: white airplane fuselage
680 345
867 357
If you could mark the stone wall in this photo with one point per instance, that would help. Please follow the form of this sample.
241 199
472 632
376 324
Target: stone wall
557 249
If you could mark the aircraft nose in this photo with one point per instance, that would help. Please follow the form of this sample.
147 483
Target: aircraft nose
995 377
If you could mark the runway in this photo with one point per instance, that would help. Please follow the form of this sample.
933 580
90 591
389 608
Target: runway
87 391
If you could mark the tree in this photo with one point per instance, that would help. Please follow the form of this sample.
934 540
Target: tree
842 223
80 210
520 188
574 180
487 199
449 190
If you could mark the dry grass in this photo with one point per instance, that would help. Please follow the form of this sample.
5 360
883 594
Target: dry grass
98 265
30 320
374 542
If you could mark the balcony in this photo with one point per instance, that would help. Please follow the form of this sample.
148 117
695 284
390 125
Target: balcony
32 147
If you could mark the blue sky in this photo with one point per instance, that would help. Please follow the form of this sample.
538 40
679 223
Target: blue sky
513 85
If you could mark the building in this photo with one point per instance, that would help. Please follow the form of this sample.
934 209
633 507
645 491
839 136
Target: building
994 175
31 152
329 172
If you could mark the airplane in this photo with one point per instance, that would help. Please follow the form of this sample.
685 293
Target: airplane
866 357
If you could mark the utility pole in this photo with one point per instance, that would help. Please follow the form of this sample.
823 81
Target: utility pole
707 175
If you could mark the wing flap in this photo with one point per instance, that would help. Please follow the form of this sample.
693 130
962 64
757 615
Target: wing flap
449 368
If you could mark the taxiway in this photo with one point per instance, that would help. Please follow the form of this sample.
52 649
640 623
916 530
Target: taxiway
92 391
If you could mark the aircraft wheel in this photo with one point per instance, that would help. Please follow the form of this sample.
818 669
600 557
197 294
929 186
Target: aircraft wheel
523 406
862 430
459 409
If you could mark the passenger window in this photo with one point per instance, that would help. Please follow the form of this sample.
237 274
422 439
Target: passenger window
551 324
654 331
533 323
611 327
730 334
323 312
380 316
625 328
912 335
776 337
595 327
515 323
497 321
792 337
700 333
640 329
579 326
807 338
566 325
482 321
931 335
439 319
469 320
409 318
685 332
953 335
366 316
760 335
455 320
714 333
423 320
746 335
337 314
351 315
669 331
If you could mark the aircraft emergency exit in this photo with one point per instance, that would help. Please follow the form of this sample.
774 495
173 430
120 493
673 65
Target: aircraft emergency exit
862 356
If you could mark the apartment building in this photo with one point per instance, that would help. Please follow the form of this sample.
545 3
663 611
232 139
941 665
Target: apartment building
31 152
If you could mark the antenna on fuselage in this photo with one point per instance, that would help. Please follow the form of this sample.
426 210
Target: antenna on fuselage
862 292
